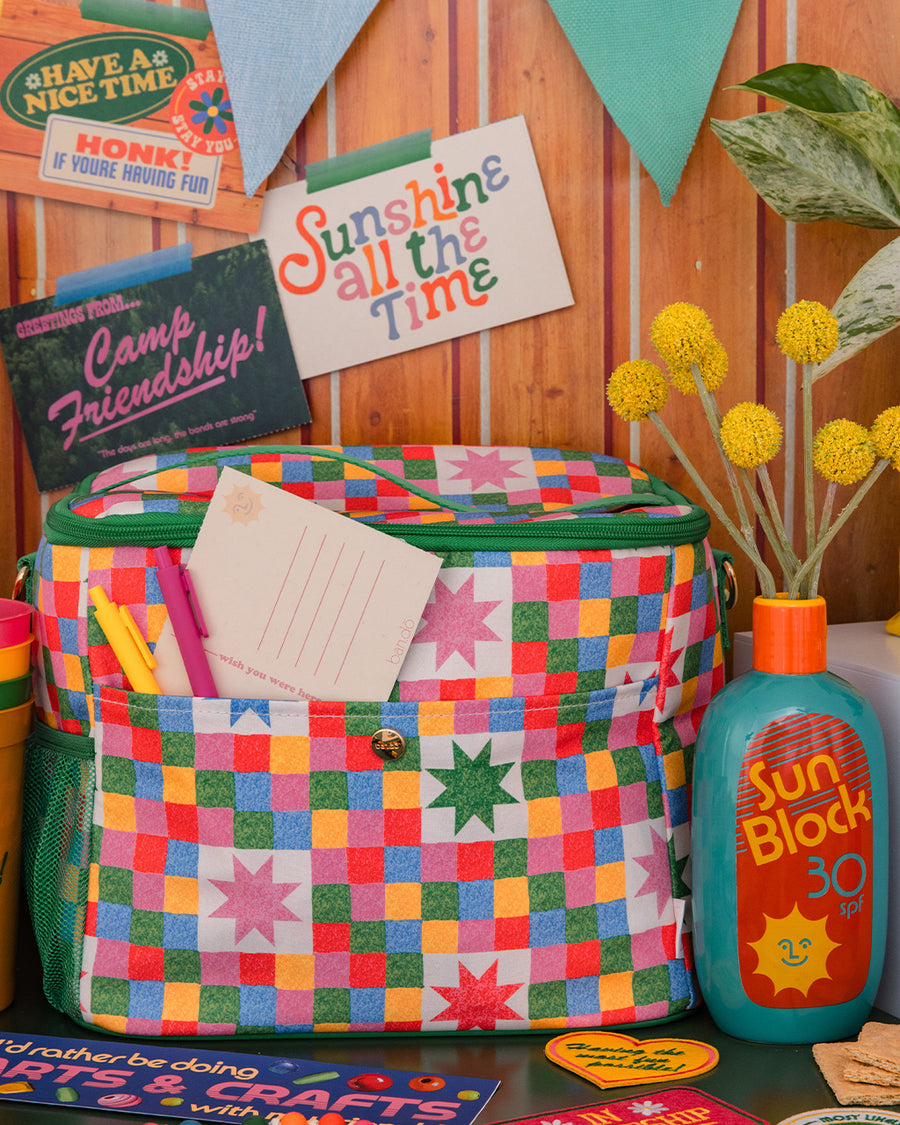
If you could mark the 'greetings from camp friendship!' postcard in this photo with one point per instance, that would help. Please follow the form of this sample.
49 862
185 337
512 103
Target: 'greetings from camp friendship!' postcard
195 359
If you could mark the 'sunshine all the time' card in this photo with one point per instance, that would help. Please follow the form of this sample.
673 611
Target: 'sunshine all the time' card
454 241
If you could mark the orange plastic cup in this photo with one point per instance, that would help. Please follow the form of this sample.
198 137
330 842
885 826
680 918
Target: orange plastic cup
15 725
15 660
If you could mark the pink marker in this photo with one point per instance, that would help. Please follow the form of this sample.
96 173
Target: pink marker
187 621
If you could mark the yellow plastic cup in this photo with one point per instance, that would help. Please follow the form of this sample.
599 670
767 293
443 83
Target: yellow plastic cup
15 660
15 725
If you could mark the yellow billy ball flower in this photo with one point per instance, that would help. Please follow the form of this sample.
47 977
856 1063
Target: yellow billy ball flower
807 332
712 363
681 334
843 451
886 435
751 435
636 388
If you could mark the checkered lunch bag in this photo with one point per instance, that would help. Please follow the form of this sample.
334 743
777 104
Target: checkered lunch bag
515 860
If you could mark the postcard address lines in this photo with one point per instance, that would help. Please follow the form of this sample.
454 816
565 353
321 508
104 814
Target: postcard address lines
344 583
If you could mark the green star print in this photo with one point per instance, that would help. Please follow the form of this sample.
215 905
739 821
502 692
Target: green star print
473 787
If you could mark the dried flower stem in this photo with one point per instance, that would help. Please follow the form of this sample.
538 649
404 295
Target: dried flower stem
780 529
808 485
714 418
776 539
745 542
827 506
816 554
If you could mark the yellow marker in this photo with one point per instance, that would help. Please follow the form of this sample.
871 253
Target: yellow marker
126 641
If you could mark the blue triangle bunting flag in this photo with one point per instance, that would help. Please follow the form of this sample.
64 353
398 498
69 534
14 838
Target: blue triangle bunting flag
277 56
653 63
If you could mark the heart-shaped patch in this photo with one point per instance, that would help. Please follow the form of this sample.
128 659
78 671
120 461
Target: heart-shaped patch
607 1058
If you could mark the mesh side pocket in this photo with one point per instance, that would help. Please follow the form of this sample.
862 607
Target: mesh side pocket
58 800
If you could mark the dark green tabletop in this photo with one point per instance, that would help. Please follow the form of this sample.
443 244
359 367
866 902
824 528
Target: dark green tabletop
770 1082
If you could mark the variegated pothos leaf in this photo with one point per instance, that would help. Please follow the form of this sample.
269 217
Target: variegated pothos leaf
848 105
869 306
807 171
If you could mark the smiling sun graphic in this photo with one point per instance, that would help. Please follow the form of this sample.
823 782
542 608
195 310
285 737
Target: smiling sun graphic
243 504
793 950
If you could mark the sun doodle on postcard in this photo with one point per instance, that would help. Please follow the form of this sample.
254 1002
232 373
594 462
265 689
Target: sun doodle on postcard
243 504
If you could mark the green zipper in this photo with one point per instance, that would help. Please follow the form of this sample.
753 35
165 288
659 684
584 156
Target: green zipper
152 529
626 529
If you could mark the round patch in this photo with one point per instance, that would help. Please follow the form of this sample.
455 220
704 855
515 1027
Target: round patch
201 114
845 1115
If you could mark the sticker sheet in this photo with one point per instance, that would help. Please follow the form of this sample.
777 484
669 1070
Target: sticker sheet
207 1085
120 106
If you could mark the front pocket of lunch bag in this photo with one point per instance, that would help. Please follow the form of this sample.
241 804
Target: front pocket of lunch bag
276 866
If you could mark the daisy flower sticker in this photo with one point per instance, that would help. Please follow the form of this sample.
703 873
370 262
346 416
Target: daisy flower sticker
212 111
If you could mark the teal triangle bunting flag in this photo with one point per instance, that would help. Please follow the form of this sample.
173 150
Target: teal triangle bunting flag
653 63
277 56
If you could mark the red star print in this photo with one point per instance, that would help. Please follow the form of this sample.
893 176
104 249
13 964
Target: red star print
478 1002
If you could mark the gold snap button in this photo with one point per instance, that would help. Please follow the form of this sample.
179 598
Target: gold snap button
388 744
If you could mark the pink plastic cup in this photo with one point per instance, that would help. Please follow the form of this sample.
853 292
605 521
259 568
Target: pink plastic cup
15 622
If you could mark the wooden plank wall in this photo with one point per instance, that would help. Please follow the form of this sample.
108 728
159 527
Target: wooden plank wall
450 65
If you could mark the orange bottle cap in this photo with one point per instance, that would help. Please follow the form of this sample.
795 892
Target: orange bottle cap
789 635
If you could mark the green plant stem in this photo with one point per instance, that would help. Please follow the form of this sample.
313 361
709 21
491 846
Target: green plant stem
777 541
827 506
816 554
780 529
714 418
808 482
747 545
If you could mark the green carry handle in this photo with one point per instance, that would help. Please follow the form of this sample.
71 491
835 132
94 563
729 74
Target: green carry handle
623 500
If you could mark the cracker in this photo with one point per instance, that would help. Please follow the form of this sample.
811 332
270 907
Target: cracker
861 1072
878 1044
832 1058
